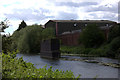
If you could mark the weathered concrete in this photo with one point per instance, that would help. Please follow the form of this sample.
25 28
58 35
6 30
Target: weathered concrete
50 48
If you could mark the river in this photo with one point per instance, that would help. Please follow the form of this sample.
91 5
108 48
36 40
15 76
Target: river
87 70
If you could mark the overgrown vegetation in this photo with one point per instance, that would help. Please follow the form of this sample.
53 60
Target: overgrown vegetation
113 48
6 43
92 36
81 51
48 33
74 50
28 39
14 68
94 43
113 33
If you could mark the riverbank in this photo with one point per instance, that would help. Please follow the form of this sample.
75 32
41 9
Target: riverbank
102 51
115 65
81 55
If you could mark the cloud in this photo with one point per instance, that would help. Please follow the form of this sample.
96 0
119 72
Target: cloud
105 16
66 16
40 11
111 16
73 4
28 14
77 1
13 26
104 8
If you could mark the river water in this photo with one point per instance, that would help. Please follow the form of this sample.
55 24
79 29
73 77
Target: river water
87 70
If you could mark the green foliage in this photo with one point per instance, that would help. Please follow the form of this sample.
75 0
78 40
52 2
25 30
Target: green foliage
28 39
71 49
15 39
4 24
48 33
75 50
6 43
98 52
114 32
92 36
22 25
115 44
113 48
86 50
15 68
101 52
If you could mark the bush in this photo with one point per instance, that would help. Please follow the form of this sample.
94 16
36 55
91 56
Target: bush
97 52
113 48
92 36
86 50
75 50
14 68
81 50
113 33
107 50
71 49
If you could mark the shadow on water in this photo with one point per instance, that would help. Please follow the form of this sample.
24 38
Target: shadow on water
50 61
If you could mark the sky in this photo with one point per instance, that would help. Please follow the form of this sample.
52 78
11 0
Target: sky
40 11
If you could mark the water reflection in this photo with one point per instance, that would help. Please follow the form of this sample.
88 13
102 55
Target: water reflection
50 61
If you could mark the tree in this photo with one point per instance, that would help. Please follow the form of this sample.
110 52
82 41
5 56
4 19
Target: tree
113 48
6 43
15 37
114 32
92 36
28 39
4 25
48 33
22 25
29 42
5 40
